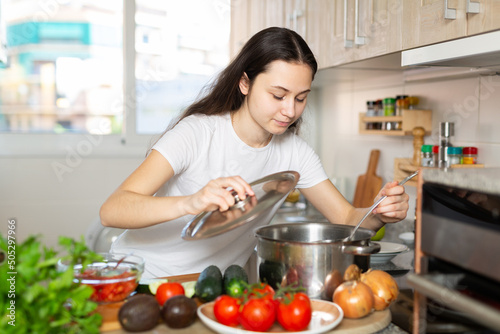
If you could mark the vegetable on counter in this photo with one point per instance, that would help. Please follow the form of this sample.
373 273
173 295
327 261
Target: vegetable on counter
43 299
139 313
179 311
209 284
235 280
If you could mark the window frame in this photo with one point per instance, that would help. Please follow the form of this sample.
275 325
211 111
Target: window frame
126 144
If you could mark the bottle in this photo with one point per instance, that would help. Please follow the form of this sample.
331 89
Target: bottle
446 131
426 159
469 155
454 156
435 156
412 102
389 105
370 112
402 103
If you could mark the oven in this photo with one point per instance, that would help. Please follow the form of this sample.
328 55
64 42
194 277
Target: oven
456 283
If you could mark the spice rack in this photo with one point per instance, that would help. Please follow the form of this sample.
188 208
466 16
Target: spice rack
409 119
404 167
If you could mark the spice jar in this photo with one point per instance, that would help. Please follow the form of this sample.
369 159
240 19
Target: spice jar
412 102
389 104
370 112
469 155
426 156
435 156
401 104
454 156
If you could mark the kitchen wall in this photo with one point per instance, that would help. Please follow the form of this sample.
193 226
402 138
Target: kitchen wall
469 100
42 203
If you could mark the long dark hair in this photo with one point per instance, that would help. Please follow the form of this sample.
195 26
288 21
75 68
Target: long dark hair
266 46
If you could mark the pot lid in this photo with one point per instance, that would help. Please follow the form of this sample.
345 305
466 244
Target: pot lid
269 191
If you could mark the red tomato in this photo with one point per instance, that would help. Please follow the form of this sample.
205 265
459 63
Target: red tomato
226 310
261 290
294 312
167 290
258 314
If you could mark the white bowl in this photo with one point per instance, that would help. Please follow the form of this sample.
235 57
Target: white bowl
408 238
388 250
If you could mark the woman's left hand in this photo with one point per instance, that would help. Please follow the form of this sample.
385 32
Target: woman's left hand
395 207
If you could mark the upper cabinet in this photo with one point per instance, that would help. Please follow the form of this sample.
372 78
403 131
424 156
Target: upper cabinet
483 16
432 21
344 31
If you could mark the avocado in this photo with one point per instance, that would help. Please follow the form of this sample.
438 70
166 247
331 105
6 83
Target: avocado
209 284
179 311
139 313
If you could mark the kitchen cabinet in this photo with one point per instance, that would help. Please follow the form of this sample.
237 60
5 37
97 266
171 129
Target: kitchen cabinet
487 19
343 31
433 21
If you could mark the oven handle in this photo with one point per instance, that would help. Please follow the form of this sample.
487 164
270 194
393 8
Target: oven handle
471 308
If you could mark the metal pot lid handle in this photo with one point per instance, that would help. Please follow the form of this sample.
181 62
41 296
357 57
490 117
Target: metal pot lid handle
269 191
370 248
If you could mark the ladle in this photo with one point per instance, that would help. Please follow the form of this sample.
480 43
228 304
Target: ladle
375 205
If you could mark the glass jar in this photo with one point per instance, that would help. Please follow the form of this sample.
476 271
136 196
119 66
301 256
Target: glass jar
389 104
426 156
370 112
401 104
469 155
454 156
413 102
435 156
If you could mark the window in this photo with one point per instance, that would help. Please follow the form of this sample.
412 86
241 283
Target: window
69 72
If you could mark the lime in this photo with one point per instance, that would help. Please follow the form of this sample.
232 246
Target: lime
379 235
154 284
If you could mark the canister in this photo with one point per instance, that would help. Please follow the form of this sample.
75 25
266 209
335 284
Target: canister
426 156
469 155
454 156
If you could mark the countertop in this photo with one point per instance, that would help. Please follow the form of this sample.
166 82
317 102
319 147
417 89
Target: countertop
476 179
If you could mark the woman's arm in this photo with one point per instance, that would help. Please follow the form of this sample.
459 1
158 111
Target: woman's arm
133 205
331 204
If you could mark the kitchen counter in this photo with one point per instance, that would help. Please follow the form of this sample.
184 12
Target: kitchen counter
476 179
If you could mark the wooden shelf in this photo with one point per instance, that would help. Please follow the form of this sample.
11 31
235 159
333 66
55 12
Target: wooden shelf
404 167
409 119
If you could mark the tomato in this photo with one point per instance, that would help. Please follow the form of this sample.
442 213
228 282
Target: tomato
261 290
226 310
294 311
167 290
258 314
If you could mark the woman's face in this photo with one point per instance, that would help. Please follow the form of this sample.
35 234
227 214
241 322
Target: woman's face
277 97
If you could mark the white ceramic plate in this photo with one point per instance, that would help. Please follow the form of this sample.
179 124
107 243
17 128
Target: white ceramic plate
325 316
388 250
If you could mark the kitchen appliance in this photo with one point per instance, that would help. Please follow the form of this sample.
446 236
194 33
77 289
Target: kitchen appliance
457 247
313 255
479 51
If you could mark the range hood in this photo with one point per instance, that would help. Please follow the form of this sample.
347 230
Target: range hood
479 51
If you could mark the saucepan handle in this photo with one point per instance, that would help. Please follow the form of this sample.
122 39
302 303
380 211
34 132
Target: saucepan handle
370 248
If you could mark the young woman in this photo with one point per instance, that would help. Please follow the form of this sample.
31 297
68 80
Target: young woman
244 129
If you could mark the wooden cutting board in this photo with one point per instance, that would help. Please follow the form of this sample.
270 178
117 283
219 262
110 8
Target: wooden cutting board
369 184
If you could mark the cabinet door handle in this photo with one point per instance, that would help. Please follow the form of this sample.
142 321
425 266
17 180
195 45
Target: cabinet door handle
348 43
472 7
293 17
449 13
358 40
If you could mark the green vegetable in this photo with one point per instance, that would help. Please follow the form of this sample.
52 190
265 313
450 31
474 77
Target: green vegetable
189 288
235 280
209 284
39 298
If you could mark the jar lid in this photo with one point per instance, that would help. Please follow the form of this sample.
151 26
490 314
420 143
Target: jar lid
399 97
389 100
454 150
435 149
370 103
426 148
270 192
470 150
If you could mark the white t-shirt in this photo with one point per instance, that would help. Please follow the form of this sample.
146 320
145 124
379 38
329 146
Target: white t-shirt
201 148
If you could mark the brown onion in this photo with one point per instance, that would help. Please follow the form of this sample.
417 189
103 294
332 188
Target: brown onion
352 273
354 298
383 285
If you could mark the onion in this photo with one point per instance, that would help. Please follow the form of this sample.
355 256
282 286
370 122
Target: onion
383 285
352 273
354 298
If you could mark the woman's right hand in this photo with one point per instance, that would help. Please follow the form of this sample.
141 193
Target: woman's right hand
218 194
